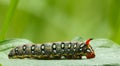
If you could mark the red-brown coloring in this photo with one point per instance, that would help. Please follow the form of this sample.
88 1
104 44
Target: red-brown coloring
90 55
88 41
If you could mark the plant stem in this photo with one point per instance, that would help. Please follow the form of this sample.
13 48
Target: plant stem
7 21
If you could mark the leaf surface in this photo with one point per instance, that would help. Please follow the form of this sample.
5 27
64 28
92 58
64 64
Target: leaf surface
107 54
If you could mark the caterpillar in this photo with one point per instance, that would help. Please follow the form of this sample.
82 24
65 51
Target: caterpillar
55 50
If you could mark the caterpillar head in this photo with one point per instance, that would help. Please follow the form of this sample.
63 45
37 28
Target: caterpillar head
14 52
89 51
11 54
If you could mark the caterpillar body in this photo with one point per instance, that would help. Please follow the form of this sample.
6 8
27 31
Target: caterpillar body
55 50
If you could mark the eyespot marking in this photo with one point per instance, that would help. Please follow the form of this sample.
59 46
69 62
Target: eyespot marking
33 49
43 49
54 48
16 51
69 46
62 45
74 47
88 50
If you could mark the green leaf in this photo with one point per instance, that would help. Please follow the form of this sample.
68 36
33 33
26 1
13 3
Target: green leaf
7 45
107 54
78 39
11 43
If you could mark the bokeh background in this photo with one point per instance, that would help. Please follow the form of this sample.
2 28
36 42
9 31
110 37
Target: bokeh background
59 20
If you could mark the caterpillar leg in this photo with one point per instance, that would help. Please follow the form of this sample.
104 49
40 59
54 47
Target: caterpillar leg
69 57
80 57
53 56
45 57
75 56
57 57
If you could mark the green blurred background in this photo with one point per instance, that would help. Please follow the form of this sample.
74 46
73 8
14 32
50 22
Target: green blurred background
59 20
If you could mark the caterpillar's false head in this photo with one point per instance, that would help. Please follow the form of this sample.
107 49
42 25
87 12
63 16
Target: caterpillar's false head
88 50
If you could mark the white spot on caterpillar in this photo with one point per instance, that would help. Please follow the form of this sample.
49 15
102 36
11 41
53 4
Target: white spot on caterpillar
80 49
69 45
54 51
54 46
62 45
43 52
75 46
88 50
42 46
82 45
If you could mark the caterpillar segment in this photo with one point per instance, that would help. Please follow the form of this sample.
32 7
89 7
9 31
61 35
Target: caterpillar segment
55 50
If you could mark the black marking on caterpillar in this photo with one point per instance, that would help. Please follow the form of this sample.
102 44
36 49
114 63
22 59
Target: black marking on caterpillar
56 50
